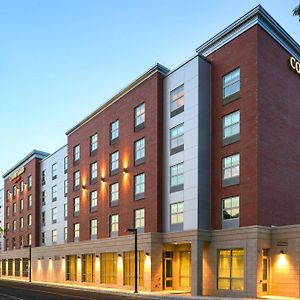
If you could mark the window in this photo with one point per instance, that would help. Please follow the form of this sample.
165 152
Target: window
88 267
43 177
114 131
54 193
93 143
114 225
14 191
66 188
43 197
29 238
231 269
93 201
76 153
71 267
14 225
65 234
54 215
231 85
10 267
21 223
29 201
25 265
139 219
93 172
54 236
17 266
176 219
139 151
76 180
114 194
54 171
43 218
139 186
76 209
29 182
176 139
7 226
22 186
231 128
21 205
65 211
231 211
114 163
139 117
7 211
76 232
129 268
93 229
108 268
3 267
231 170
65 164
177 100
7 195
29 221
43 238
14 208
177 177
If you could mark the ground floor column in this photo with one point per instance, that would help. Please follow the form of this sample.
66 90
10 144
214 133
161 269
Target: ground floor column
197 267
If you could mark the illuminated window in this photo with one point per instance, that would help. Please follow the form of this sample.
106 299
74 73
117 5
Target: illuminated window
114 194
114 225
114 163
14 225
177 177
29 201
93 229
54 236
76 232
7 195
139 151
29 182
76 206
76 180
14 208
108 273
231 127
21 223
139 219
93 143
114 131
54 215
231 269
22 186
65 234
14 191
76 153
177 100
3 267
88 267
176 139
139 186
139 116
231 170
25 267
65 211
29 221
10 267
185 269
17 266
93 201
54 171
71 267
65 164
29 238
65 187
231 84
231 208
176 216
93 172
129 268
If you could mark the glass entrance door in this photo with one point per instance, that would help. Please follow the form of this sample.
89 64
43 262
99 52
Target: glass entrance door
168 270
265 272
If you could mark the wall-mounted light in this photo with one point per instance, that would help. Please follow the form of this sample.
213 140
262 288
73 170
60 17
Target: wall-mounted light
147 254
39 258
125 171
50 258
97 256
78 257
62 257
83 187
102 179
281 252
119 254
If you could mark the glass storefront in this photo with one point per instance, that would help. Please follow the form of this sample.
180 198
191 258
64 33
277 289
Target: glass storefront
71 267
129 274
88 267
108 273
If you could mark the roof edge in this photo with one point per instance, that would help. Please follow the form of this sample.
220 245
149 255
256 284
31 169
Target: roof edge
256 16
156 68
34 153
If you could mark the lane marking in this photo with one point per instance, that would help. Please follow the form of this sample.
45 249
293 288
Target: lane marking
13 297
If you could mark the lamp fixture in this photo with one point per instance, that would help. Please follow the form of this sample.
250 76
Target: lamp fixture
78 257
97 255
50 258
281 252
62 257
119 254
83 187
102 179
125 171
147 254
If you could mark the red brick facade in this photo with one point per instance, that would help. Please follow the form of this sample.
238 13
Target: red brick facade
31 169
150 92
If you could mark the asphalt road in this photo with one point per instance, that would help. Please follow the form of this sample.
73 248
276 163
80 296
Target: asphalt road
11 290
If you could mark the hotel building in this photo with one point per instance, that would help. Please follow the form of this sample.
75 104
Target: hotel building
202 160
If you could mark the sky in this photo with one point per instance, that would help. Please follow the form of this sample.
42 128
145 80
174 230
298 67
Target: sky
62 59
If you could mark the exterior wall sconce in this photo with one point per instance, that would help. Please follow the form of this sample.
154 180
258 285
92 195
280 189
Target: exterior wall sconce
102 179
282 252
147 254
83 187
125 171
78 257
97 256
50 258
120 254
62 257
39 258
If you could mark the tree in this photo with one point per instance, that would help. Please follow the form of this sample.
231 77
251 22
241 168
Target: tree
296 11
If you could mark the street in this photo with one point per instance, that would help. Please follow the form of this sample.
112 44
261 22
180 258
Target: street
11 290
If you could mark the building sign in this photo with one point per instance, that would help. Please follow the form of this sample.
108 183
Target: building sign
295 65
16 175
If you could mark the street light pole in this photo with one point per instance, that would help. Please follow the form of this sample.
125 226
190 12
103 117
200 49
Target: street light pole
29 248
134 231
